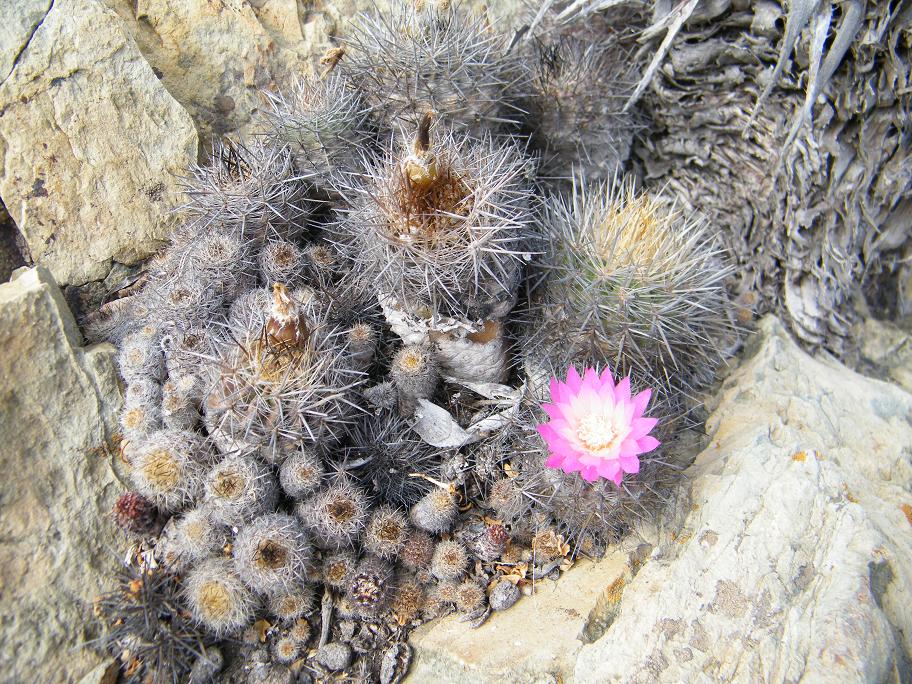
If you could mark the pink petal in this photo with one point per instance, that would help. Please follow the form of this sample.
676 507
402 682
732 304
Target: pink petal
640 401
590 474
617 478
546 430
554 461
622 391
607 377
608 469
647 443
574 382
642 426
591 379
630 464
571 465
553 410
559 392
553 387
630 447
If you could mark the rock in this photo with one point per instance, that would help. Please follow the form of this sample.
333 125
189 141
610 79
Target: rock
90 141
785 557
106 673
59 403
886 352
793 559
535 639
214 58
334 656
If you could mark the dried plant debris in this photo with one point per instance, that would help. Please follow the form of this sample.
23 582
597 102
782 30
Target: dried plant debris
337 374
793 141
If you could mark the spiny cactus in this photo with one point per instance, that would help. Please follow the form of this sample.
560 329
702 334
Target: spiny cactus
386 532
635 284
193 537
577 116
147 626
168 469
327 378
239 489
336 515
326 124
397 461
135 514
371 586
435 512
292 605
438 56
273 387
301 473
443 226
271 553
449 561
248 188
217 598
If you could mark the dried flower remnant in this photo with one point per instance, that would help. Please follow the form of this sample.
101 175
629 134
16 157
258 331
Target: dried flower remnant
596 428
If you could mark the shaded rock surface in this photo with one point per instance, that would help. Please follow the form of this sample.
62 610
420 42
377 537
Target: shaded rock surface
215 57
787 558
91 142
59 404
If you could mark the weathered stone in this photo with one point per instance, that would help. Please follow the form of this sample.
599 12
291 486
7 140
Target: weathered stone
535 640
59 403
91 143
793 559
886 352
215 58
785 558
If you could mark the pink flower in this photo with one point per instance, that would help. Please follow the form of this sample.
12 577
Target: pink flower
596 429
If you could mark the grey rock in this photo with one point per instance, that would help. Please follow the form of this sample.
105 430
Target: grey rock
504 595
59 404
334 656
91 143
792 559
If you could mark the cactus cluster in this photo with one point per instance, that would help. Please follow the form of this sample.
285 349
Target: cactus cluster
336 364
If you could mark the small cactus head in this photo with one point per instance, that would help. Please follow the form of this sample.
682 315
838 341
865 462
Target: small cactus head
286 650
450 560
469 596
292 605
417 550
435 512
217 598
415 371
238 489
301 473
370 588
336 516
338 568
408 601
271 554
386 532
167 469
137 515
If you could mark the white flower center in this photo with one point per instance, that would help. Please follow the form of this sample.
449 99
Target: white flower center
597 432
